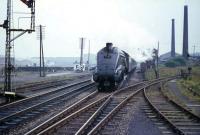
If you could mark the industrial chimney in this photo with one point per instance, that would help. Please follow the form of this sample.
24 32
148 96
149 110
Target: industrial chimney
185 33
173 40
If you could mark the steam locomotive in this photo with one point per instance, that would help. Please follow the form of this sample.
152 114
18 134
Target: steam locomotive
112 65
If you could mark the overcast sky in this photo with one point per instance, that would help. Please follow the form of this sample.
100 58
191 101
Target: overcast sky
129 24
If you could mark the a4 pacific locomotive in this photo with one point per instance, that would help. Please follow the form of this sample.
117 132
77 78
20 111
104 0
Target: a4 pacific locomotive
112 65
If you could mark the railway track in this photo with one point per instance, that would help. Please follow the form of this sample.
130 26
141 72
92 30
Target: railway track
98 117
109 123
180 120
8 109
92 118
98 113
74 119
27 109
94 97
21 88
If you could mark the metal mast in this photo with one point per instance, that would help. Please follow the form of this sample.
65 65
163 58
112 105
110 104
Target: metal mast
7 25
8 65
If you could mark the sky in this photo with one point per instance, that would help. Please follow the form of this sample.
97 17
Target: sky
135 26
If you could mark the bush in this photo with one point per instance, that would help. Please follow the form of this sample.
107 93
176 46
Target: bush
170 64
178 61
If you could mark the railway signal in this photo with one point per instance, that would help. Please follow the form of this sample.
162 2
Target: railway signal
29 3
9 39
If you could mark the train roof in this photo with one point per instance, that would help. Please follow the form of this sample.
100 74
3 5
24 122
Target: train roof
116 50
113 49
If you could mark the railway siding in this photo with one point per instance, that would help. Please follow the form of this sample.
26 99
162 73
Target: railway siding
97 112
43 107
182 121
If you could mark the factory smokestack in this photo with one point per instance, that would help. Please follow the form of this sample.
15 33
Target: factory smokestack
173 40
185 33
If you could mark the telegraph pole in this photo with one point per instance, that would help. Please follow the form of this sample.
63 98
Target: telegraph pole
41 38
89 55
40 50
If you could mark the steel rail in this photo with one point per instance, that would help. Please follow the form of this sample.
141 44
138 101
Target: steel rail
40 85
94 116
106 118
162 115
112 113
191 116
184 109
57 117
47 85
47 126
44 94
47 123
42 103
50 129
180 106
33 84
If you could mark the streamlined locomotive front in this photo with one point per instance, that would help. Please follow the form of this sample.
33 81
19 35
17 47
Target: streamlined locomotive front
108 73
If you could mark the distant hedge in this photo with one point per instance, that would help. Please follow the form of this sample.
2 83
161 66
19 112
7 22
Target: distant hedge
178 61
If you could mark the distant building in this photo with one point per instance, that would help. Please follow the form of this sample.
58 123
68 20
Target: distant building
167 56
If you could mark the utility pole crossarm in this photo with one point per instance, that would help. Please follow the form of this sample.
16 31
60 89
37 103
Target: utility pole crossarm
18 30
